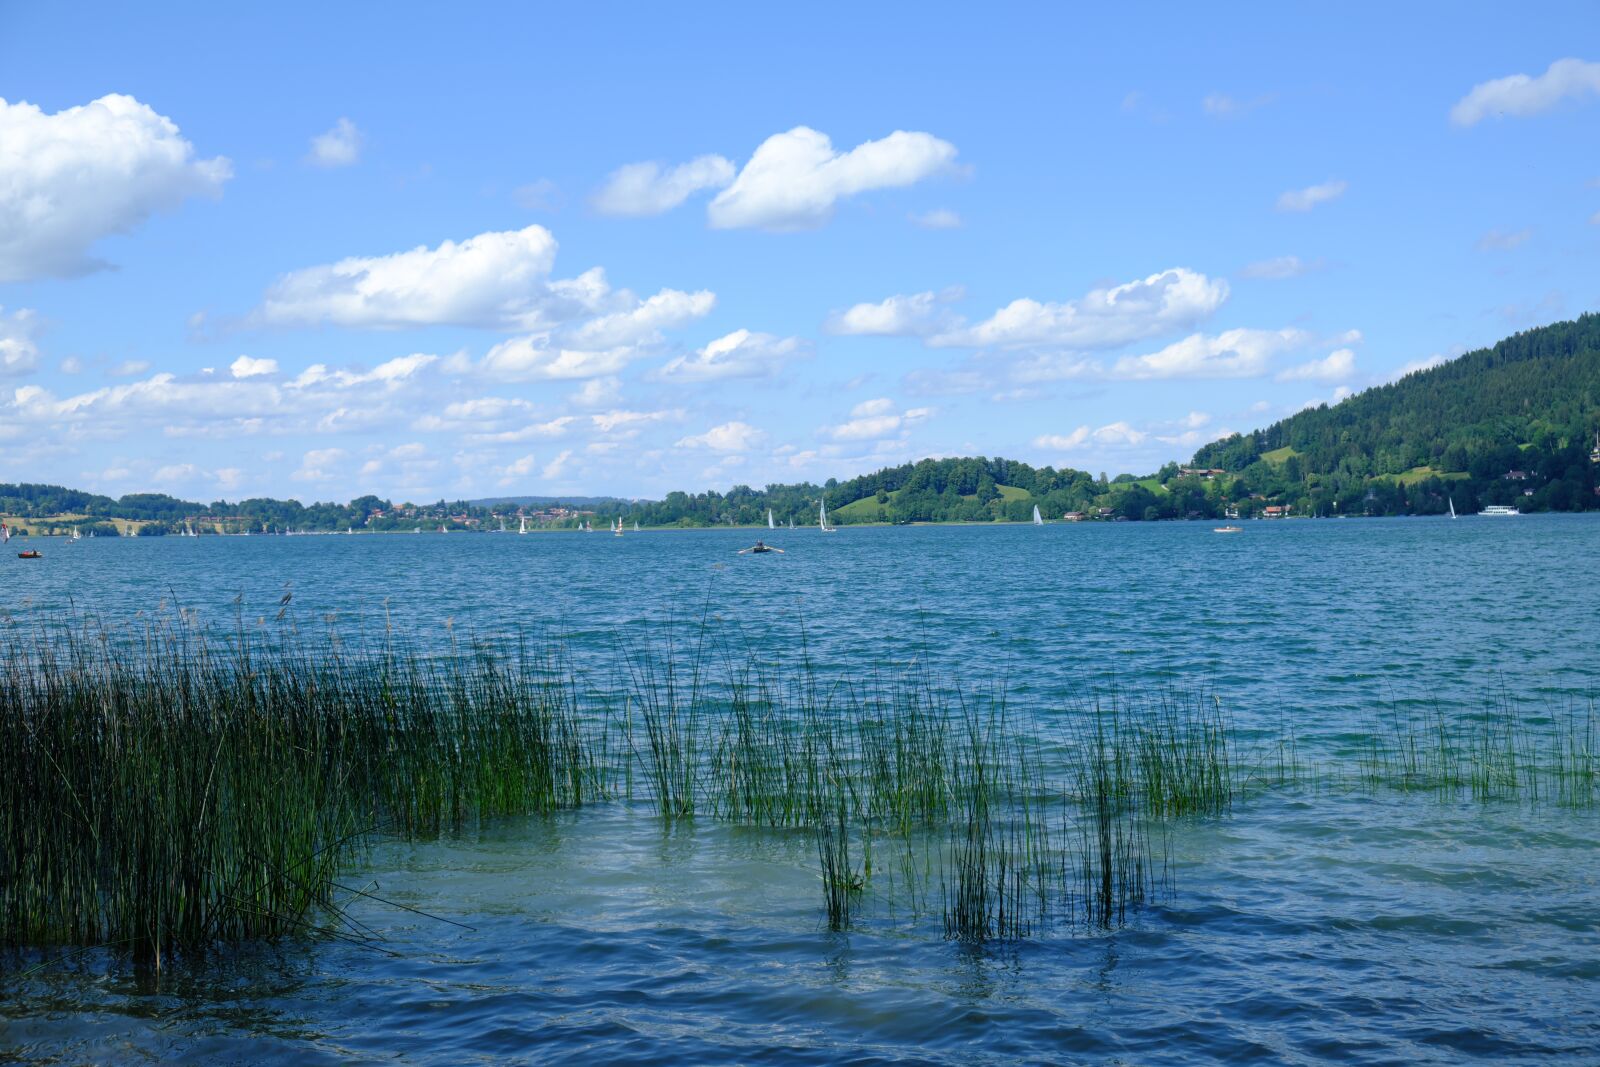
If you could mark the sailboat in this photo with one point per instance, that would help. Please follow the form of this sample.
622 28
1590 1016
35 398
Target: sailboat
5 533
523 528
616 531
76 536
635 525
442 528
791 522
1038 520
502 524
1452 507
822 517
770 524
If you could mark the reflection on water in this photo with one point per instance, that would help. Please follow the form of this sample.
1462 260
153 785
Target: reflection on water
1308 924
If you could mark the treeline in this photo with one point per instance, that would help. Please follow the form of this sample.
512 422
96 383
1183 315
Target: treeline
1512 424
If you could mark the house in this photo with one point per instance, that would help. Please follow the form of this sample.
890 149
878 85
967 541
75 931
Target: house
1207 473
1074 516
1516 476
1275 511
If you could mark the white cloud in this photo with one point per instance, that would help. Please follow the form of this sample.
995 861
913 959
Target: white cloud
1503 240
496 280
72 365
647 189
70 178
940 218
729 437
629 423
176 472
597 392
1435 360
1281 267
517 469
18 352
664 311
558 466
247 367
316 465
1113 434
339 147
794 179
526 359
229 477
1338 365
1242 353
1521 94
1103 318
1309 197
900 315
873 419
128 368
740 354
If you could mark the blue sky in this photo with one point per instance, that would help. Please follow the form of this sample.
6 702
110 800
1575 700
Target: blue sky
324 251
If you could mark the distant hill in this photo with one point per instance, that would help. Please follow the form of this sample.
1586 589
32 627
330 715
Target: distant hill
1512 424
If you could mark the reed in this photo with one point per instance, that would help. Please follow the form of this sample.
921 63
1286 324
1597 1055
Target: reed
164 787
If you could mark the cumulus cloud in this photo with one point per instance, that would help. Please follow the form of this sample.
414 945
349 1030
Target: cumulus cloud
794 180
872 419
940 218
70 178
494 279
1280 267
1242 353
649 189
1113 434
339 147
535 358
916 315
626 423
1522 94
729 437
1339 365
740 354
1312 195
19 354
644 322
247 367
1102 318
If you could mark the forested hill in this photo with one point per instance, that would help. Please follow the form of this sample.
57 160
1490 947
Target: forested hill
1513 424
1530 405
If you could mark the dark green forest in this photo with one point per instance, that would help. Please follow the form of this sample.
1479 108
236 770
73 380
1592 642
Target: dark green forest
1513 424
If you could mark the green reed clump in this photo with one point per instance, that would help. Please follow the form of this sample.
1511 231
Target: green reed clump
173 792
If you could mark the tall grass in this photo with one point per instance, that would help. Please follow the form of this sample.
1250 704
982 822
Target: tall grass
173 788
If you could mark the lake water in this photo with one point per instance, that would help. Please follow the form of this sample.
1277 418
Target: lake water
1307 925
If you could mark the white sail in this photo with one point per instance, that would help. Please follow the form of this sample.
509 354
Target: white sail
1452 507
617 529
5 533
822 516
770 524
791 522
442 528
1038 520
635 525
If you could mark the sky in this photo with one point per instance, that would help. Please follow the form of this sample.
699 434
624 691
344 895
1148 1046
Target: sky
468 251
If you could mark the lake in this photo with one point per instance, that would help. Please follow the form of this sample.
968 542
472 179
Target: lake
1313 922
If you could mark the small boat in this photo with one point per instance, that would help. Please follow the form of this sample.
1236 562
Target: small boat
760 547
1452 507
822 517
523 527
791 522
1227 529
616 530
770 524
1499 511
76 535
1038 520
635 525
30 554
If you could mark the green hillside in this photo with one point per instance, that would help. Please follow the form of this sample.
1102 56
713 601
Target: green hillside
1511 424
